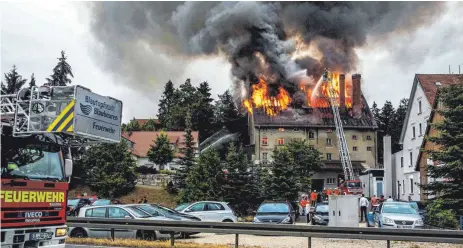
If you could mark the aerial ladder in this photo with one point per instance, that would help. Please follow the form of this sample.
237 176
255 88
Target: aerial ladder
38 127
351 184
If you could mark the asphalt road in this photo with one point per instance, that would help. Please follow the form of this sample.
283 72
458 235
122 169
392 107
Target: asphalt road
83 246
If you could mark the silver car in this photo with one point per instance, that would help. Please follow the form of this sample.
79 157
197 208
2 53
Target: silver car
211 211
117 212
397 215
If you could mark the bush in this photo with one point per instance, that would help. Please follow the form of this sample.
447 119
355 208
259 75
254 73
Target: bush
438 216
146 170
167 172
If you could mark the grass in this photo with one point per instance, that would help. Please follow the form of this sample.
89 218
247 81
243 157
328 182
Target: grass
142 243
153 195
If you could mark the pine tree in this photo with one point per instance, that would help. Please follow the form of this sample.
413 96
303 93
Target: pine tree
385 122
397 124
61 72
205 179
240 190
282 182
161 152
150 125
132 126
166 104
204 114
13 82
450 142
226 112
188 159
307 161
32 81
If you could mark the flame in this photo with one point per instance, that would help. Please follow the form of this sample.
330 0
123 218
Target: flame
305 50
272 105
318 96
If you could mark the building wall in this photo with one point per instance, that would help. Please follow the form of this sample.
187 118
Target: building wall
405 172
363 140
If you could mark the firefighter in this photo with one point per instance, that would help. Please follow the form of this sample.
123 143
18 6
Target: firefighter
313 198
304 201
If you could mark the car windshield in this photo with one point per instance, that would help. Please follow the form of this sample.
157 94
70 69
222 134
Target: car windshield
273 208
73 202
164 209
149 209
398 209
139 213
414 205
101 202
322 208
29 158
182 207
353 184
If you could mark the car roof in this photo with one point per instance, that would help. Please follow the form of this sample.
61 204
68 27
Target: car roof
208 202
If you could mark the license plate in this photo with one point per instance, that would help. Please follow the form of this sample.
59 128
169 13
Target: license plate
404 227
41 236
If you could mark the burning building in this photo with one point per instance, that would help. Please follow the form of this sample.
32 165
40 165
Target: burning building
275 118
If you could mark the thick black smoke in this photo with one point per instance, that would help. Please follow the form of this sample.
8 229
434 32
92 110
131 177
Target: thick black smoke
257 38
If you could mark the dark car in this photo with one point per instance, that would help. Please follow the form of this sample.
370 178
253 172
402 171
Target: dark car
103 202
75 204
320 215
278 212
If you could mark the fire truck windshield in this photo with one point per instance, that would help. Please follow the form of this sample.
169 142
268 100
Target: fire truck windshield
35 161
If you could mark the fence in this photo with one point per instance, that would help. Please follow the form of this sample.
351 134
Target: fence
439 236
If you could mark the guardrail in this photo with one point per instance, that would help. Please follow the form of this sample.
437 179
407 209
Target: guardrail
417 235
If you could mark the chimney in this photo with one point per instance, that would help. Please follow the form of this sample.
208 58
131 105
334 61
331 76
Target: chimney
342 92
356 95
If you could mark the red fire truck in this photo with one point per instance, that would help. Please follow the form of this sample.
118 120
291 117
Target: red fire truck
39 126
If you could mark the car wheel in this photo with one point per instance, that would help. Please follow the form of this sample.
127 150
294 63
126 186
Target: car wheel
78 233
146 235
227 220
313 222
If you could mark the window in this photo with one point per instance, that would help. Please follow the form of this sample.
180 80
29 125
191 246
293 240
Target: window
281 141
354 137
354 148
281 129
421 130
369 148
198 207
368 137
414 135
328 141
311 135
329 131
403 187
296 129
411 186
411 159
264 141
96 212
117 213
264 156
419 107
402 162
331 181
214 207
328 156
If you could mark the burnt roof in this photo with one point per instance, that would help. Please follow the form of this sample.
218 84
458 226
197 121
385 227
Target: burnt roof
316 117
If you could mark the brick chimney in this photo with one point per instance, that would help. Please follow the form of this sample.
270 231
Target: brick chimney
356 95
342 92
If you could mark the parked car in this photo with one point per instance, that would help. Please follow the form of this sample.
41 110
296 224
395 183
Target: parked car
371 216
419 207
157 210
320 215
312 209
275 212
104 202
91 198
117 212
397 215
75 204
209 211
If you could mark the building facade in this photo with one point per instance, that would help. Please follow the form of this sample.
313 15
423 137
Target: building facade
316 126
405 178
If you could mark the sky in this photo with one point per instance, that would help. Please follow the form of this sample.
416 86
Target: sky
33 34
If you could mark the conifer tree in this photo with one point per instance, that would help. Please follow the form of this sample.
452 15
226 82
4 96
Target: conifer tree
161 152
13 82
188 159
61 72
166 105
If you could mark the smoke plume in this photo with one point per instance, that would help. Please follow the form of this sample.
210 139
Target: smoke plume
271 39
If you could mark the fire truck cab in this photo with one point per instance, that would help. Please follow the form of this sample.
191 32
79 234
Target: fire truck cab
39 125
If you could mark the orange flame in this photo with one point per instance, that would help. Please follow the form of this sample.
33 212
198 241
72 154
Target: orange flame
272 105
318 96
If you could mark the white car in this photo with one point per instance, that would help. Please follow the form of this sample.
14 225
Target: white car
117 212
211 211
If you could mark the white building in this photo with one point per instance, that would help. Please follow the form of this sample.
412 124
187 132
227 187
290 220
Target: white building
405 179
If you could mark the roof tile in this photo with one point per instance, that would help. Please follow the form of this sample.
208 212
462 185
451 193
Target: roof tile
428 83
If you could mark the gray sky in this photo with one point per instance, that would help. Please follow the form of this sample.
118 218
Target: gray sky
33 34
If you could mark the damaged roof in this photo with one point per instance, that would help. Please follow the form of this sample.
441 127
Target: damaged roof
316 117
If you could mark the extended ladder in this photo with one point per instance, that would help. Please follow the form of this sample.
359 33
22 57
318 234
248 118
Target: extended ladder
343 148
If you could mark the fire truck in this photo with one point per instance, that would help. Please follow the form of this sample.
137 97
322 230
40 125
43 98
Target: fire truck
350 184
39 127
